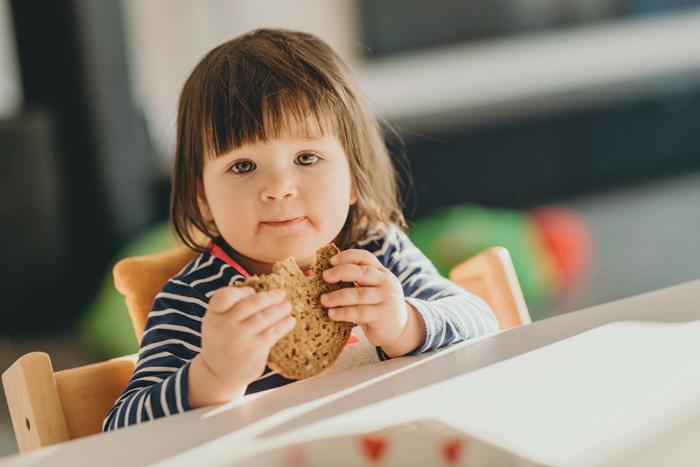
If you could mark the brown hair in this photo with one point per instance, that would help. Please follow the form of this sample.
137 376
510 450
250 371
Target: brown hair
260 85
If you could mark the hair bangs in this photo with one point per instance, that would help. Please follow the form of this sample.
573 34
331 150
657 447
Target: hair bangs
262 106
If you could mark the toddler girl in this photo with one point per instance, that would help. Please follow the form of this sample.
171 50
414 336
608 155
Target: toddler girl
278 154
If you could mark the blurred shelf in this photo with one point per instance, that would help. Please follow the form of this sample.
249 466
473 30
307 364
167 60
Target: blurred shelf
535 73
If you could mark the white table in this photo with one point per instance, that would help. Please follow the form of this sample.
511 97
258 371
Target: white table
445 384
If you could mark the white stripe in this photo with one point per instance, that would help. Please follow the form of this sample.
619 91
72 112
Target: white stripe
266 376
439 294
465 328
187 345
202 266
139 408
417 292
116 416
401 254
182 269
369 239
442 336
172 327
168 311
235 278
181 298
478 311
151 357
405 274
449 323
163 401
211 278
410 284
423 276
461 331
475 330
126 393
128 410
154 379
429 329
107 420
157 368
149 410
387 243
178 392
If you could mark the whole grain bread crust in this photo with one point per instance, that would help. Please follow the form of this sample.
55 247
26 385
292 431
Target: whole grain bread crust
316 340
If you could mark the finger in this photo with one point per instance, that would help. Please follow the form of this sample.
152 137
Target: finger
355 314
264 318
254 303
353 296
226 297
277 331
362 274
356 256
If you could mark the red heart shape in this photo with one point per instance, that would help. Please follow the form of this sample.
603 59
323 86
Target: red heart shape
452 451
373 447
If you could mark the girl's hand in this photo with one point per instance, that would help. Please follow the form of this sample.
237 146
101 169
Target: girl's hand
238 331
376 304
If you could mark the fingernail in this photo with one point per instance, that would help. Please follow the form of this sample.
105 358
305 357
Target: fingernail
333 260
331 313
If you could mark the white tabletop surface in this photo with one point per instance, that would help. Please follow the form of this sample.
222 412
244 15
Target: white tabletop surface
569 390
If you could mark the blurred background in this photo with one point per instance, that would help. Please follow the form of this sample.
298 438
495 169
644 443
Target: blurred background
565 130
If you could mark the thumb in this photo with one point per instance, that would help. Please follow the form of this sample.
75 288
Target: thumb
226 297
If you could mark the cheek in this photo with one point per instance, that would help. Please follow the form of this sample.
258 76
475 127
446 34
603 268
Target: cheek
334 190
227 204
331 201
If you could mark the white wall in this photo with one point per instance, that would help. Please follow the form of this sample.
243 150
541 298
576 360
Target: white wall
166 38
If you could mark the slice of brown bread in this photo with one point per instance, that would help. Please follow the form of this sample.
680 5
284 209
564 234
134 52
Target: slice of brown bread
316 340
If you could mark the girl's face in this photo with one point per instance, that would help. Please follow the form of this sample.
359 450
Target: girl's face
271 200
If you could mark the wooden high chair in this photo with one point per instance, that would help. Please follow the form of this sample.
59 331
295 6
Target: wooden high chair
48 407
491 276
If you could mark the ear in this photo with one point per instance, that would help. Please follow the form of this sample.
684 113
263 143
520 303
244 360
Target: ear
203 204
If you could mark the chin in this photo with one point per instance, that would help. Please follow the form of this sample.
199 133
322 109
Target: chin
300 254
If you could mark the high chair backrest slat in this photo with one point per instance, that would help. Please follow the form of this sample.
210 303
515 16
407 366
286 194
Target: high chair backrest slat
48 407
140 278
491 276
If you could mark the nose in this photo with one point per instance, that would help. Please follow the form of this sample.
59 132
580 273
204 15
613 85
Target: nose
278 187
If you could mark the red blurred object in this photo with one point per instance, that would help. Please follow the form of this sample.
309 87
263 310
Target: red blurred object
373 447
568 239
452 450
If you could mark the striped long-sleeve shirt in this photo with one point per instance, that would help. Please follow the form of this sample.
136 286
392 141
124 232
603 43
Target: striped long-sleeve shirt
172 337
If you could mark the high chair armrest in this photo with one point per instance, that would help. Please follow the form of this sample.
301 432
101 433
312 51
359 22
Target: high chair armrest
48 407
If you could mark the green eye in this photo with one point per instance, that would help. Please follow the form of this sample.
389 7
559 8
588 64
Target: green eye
243 167
308 158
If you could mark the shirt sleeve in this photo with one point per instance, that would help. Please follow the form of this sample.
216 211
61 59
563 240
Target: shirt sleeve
450 313
172 338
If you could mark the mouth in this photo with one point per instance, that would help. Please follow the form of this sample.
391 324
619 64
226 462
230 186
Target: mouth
285 222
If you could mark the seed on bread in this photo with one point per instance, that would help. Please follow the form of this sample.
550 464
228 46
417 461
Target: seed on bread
316 340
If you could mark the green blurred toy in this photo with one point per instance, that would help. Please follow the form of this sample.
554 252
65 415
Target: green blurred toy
550 246
106 327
